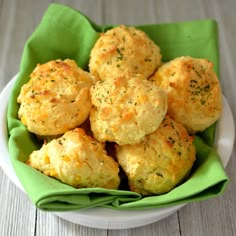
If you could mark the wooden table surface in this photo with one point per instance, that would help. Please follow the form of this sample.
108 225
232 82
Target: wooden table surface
18 19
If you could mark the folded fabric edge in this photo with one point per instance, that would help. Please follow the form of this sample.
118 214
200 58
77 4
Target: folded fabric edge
207 194
59 6
120 203
209 21
77 202
98 27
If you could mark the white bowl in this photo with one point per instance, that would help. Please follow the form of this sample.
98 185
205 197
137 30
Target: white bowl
104 218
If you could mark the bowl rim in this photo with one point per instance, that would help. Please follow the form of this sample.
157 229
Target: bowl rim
105 218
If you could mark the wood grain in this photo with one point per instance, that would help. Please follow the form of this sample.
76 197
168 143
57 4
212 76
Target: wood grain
18 19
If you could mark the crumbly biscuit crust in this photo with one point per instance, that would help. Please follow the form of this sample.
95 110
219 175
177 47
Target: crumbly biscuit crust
78 160
124 50
194 93
161 161
124 111
56 98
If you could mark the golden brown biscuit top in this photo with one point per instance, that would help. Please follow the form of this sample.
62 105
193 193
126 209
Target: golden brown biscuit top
78 160
197 76
56 98
55 80
124 50
125 110
194 92
161 161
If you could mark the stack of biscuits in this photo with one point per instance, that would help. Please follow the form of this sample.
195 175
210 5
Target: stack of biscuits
149 111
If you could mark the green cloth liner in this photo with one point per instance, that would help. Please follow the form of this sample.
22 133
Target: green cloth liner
66 33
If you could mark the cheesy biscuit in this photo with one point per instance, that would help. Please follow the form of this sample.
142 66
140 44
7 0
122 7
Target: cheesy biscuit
124 50
56 98
125 110
159 163
194 93
77 160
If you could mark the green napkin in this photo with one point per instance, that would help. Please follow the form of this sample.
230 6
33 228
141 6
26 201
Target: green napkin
67 33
